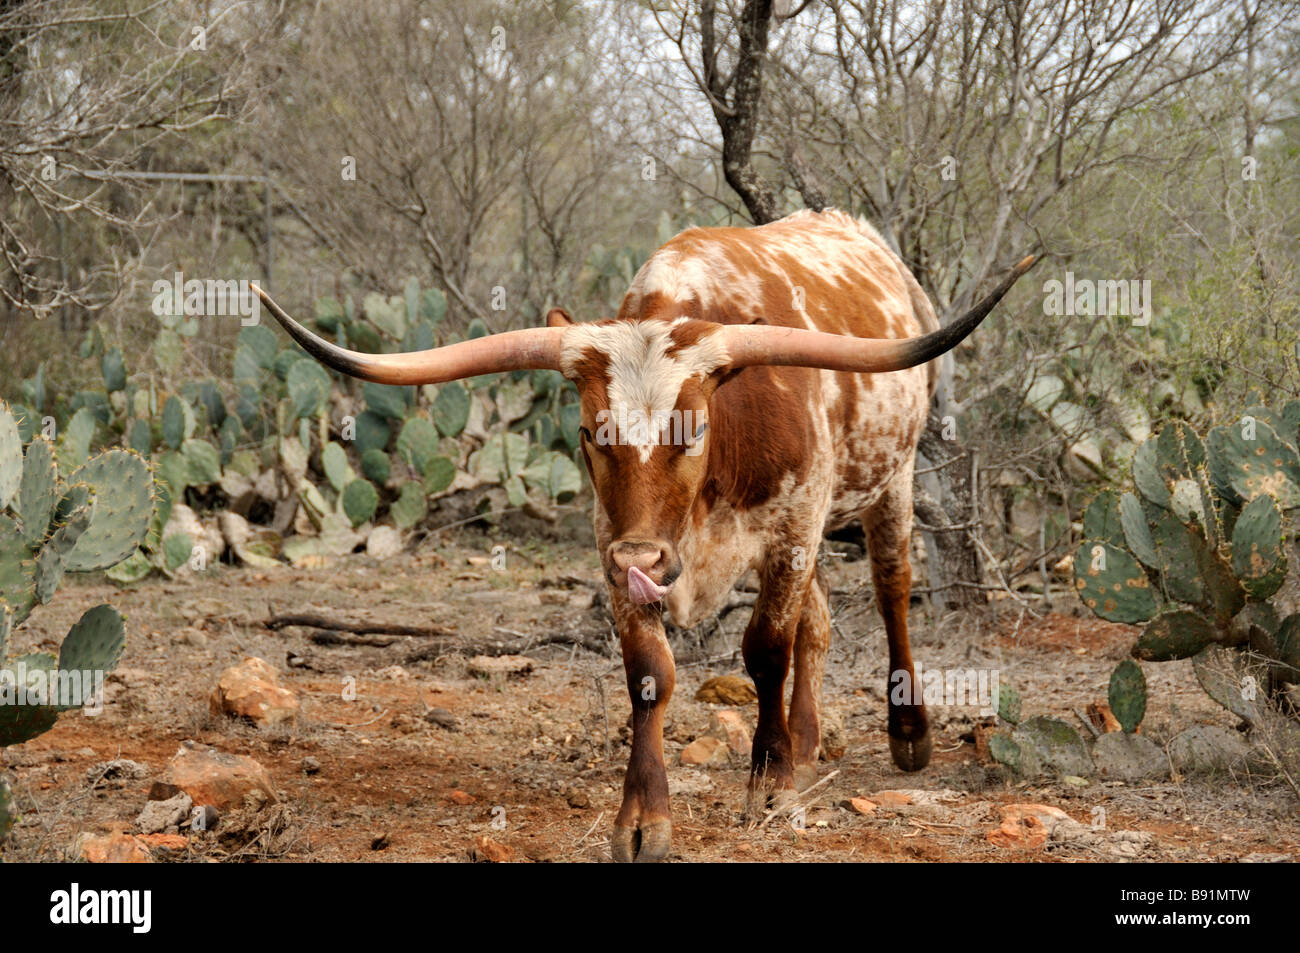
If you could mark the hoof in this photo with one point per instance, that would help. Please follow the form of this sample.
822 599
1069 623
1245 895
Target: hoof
805 776
911 754
764 800
648 843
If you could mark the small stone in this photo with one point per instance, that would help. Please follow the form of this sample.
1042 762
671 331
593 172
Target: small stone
119 769
727 690
860 805
310 765
578 799
487 666
1026 826
115 849
891 799
192 637
384 542
165 842
380 841
486 850
218 779
553 597
463 798
730 726
441 717
252 690
157 816
704 751
162 791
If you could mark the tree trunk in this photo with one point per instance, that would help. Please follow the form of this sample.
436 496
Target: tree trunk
951 553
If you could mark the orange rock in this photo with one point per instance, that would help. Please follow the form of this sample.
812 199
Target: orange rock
212 777
252 690
115 849
164 841
704 751
892 798
1026 826
460 797
862 806
486 850
730 726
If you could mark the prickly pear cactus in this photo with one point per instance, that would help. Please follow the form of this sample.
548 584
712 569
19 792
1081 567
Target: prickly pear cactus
1196 550
48 528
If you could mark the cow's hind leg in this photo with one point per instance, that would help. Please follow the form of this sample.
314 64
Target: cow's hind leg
811 642
888 526
643 828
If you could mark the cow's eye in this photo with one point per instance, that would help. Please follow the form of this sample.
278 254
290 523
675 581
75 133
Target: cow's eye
699 431
584 433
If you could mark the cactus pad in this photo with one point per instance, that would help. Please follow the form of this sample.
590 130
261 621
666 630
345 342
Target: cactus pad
122 509
410 506
417 444
1147 477
49 563
1175 634
1245 465
1112 584
1258 555
1231 682
94 643
451 408
376 466
17 571
334 461
1102 519
38 492
360 501
19 723
438 475
11 457
1128 695
1137 534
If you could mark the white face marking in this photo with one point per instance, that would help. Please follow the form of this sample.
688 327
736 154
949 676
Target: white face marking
644 381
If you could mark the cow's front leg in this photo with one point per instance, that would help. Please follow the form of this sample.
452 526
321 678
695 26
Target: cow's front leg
643 828
768 641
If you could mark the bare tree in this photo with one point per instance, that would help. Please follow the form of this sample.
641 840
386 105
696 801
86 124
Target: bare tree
89 91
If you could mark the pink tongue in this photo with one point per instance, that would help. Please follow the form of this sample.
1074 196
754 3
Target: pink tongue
642 589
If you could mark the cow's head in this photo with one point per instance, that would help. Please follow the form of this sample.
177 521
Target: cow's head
645 388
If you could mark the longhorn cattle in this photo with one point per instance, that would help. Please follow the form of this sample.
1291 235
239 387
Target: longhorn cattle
758 387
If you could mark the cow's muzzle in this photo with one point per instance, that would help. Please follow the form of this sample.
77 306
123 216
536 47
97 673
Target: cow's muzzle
645 568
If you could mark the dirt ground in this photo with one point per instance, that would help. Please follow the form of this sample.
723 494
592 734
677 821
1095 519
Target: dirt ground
535 761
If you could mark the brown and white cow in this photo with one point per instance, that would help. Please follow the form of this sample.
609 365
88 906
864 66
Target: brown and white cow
758 387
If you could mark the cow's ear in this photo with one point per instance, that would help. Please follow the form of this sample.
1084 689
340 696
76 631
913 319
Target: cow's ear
558 318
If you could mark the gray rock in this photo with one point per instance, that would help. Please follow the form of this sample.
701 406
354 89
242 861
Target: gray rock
119 769
1121 756
1207 749
158 816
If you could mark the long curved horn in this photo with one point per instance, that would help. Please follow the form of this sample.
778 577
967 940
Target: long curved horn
753 344
528 349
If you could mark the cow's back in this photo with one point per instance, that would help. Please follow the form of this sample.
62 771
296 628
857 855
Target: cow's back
819 270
